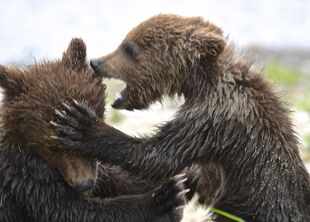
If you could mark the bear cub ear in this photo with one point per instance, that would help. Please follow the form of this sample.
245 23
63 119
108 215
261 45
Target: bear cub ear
207 41
75 56
10 81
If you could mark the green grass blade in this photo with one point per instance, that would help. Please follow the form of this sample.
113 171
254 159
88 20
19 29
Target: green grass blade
227 215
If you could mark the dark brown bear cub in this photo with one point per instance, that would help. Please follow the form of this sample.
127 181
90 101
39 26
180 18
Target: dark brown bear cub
41 181
232 127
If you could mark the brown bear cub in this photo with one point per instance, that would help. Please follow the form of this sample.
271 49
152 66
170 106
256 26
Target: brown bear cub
232 127
41 181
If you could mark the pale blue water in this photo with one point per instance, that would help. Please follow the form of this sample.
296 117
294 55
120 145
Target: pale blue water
36 29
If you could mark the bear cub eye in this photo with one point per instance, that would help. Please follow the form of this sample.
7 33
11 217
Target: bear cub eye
130 49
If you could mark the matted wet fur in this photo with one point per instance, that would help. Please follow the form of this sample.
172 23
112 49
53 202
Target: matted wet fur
233 131
41 181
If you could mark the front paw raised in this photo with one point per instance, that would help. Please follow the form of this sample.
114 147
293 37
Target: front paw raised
75 125
168 199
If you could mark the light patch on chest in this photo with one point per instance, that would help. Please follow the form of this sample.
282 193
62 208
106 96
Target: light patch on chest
195 212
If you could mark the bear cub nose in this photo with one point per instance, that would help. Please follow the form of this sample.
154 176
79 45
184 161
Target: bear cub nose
95 63
85 186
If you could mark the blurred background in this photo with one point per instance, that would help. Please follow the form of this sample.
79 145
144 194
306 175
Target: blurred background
274 34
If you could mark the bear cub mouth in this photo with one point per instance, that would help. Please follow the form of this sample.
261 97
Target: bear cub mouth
121 97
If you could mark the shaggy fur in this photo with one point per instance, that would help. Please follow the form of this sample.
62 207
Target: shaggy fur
40 181
233 129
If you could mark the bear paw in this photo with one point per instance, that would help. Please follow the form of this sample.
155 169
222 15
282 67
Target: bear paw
168 199
75 125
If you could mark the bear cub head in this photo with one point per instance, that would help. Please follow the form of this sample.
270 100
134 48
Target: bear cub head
157 56
30 97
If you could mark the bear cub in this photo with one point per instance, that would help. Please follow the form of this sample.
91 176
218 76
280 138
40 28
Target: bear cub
232 131
41 180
